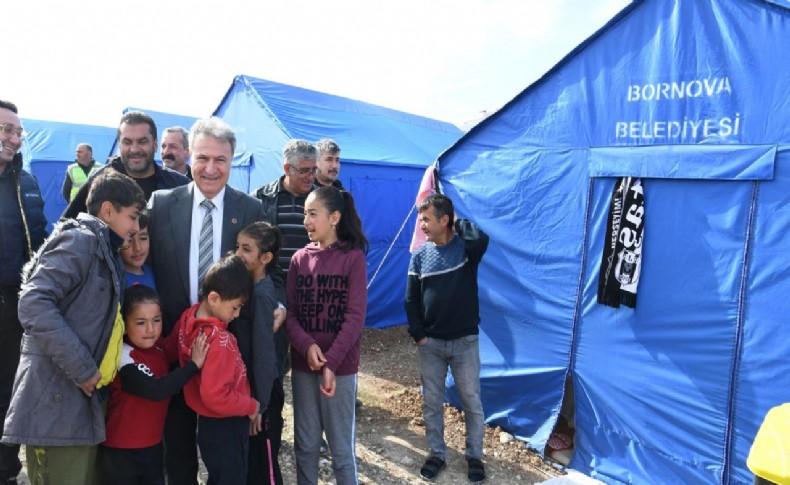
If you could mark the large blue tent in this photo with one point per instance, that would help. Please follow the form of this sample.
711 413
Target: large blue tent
691 97
384 154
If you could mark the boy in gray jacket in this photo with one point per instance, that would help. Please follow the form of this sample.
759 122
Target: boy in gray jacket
69 310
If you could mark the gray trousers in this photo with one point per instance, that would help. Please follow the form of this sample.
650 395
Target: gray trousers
462 356
315 414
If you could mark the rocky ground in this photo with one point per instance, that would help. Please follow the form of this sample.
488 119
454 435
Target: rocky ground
390 434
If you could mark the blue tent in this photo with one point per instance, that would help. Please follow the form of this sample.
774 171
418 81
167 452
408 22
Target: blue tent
691 96
384 154
50 148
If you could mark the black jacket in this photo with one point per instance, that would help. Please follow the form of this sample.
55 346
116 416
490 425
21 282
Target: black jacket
268 197
34 222
165 179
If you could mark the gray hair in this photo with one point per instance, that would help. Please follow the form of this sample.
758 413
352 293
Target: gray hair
178 129
327 145
86 145
215 128
296 150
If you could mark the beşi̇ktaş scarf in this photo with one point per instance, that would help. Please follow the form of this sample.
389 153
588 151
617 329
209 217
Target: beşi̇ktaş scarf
622 253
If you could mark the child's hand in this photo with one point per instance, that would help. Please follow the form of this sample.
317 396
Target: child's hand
256 425
90 385
279 318
328 384
257 411
315 358
199 350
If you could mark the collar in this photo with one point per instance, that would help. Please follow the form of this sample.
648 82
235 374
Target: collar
281 188
116 241
14 165
198 197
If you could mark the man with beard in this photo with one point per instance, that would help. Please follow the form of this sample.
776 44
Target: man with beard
328 164
175 150
137 139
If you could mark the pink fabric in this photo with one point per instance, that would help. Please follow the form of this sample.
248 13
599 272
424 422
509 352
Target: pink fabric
427 187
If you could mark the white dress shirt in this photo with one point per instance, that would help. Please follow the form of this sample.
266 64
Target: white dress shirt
198 213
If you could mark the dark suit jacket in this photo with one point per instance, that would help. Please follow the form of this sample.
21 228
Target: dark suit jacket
170 229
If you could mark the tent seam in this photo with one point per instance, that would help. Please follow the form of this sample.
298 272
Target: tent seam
736 362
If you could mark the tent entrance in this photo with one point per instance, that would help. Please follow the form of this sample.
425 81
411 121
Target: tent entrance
659 379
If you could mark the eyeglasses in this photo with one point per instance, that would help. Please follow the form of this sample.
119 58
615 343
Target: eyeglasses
305 171
10 129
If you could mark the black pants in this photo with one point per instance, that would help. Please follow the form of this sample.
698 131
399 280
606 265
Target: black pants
10 340
142 466
265 446
224 447
181 461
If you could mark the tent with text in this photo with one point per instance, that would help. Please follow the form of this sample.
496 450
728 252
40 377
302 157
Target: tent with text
687 98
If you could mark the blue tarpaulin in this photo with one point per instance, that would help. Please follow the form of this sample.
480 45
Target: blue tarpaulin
691 96
50 148
384 153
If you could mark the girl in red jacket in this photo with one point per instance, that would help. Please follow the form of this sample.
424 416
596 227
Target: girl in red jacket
327 298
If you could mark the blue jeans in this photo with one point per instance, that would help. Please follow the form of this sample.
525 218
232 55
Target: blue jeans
462 355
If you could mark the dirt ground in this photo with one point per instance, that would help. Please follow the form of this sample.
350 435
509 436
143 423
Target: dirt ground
391 443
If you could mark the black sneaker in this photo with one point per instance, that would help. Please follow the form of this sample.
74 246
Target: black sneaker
477 472
433 465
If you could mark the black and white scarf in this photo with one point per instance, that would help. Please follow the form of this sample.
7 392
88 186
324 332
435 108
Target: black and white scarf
622 253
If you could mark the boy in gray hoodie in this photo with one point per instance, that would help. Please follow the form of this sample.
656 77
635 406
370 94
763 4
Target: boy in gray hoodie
69 310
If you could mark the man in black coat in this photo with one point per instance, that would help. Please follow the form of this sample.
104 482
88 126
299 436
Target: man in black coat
137 140
21 233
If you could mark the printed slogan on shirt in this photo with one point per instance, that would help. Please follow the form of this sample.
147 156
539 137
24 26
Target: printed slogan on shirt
322 301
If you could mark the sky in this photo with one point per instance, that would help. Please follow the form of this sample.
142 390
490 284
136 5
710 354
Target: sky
85 61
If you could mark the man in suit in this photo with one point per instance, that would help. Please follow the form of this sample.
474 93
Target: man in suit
178 219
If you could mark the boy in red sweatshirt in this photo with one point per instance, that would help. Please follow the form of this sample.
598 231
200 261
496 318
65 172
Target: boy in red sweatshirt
220 393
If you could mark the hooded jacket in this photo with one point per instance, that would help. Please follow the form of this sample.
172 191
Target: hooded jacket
221 389
69 301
